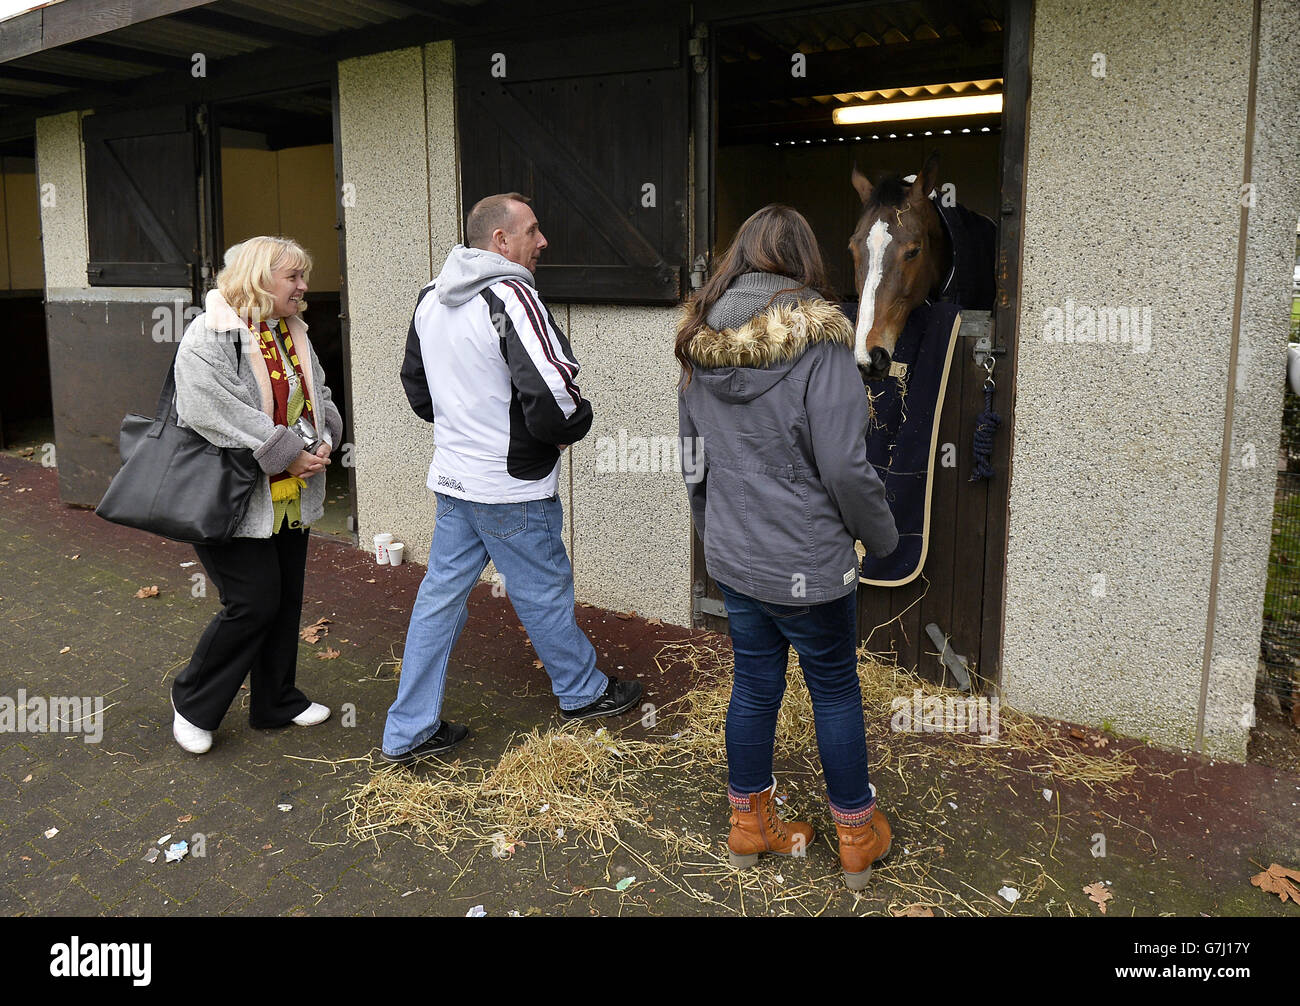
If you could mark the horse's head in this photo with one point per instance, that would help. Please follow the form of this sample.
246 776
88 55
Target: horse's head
900 257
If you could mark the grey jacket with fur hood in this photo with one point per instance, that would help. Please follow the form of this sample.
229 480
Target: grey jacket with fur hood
235 410
781 416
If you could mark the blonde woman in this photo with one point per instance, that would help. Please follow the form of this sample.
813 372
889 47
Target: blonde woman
246 376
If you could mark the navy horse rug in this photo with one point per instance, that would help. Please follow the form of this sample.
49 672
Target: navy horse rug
903 434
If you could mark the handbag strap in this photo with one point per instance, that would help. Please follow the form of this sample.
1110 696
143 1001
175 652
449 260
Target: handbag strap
166 408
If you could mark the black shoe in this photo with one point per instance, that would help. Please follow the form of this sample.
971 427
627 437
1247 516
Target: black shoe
619 697
446 738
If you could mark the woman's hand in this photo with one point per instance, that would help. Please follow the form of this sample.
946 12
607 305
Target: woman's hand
306 465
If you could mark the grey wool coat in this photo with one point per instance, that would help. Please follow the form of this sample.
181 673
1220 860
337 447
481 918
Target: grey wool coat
780 414
232 409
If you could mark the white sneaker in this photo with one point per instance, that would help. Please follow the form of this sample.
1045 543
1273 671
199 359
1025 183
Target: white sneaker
193 739
313 714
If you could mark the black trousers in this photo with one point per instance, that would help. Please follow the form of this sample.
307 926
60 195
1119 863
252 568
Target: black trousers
255 635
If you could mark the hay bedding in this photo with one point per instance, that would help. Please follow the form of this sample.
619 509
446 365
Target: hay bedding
572 784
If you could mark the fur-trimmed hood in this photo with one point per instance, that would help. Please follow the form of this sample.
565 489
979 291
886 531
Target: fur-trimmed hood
738 364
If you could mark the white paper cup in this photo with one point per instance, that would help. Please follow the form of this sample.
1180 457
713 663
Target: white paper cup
381 548
395 550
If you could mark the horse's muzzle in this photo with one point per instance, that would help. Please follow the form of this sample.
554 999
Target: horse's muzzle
879 368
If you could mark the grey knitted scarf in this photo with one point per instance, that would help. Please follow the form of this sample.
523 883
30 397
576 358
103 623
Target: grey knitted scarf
750 294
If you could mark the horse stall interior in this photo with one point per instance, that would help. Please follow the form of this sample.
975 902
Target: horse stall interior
776 84
26 409
277 168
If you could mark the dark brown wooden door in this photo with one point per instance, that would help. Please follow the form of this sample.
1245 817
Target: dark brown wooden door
142 198
950 591
592 125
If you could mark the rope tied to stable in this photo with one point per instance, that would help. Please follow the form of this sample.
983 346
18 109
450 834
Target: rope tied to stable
986 425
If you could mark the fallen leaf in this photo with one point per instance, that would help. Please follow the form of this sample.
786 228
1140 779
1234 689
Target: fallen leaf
1277 880
654 621
77 556
27 777
50 833
914 912
626 615
327 654
318 628
1098 893
266 847
65 649
185 819
147 591
1076 733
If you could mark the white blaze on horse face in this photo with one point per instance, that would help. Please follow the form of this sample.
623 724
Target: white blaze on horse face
878 239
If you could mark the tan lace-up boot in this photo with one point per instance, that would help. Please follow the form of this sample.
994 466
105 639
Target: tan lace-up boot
756 828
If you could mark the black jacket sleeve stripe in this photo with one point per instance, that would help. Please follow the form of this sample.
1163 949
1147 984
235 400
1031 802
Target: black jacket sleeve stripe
414 380
540 327
543 414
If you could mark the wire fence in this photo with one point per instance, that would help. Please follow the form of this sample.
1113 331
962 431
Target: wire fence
1279 674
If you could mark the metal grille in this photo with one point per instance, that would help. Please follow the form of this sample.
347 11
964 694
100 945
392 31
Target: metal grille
1279 674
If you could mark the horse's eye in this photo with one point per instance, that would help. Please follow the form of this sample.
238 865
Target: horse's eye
912 253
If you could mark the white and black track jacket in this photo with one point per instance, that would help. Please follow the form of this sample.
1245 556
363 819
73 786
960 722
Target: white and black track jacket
489 367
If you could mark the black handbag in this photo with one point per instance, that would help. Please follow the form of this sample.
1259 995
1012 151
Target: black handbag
175 483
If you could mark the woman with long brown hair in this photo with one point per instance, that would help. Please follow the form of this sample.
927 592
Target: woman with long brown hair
773 410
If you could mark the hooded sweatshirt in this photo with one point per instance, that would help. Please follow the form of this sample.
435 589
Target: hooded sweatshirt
489 367
777 409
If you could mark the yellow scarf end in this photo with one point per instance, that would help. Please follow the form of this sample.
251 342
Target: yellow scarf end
287 489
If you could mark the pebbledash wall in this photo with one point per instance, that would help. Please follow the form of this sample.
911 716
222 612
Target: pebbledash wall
628 533
1142 483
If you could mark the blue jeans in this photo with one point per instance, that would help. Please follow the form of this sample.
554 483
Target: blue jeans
825 637
524 542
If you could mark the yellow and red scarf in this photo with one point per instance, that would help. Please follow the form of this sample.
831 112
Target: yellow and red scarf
286 489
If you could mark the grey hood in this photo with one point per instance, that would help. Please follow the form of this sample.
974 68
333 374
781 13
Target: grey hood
469 271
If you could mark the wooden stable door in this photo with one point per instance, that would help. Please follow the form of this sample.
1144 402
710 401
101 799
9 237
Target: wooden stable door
952 589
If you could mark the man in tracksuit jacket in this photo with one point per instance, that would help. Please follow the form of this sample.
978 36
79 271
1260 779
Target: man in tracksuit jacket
488 366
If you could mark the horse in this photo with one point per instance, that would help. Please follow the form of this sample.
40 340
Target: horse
904 254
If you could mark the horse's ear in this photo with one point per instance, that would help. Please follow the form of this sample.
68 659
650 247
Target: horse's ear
861 184
928 179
